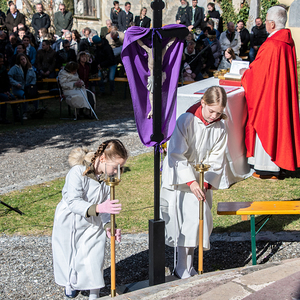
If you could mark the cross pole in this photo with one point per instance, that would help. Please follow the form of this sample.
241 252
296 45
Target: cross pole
157 226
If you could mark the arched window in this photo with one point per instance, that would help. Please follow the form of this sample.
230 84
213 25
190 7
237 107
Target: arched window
86 8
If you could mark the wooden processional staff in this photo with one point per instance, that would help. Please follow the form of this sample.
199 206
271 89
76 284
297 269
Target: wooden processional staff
201 168
112 178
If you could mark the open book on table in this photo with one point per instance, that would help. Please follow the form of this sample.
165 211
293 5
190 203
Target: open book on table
237 69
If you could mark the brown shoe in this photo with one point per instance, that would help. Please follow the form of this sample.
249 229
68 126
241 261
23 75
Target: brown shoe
256 176
268 177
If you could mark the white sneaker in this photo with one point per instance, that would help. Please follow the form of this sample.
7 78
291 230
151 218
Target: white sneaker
183 274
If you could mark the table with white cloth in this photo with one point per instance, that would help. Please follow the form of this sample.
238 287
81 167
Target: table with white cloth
236 166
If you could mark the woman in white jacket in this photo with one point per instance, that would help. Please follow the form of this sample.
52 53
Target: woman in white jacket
78 238
72 86
199 136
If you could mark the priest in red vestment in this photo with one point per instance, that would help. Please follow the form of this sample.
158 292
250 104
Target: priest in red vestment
272 133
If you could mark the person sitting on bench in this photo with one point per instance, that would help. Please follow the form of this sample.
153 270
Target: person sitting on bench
72 87
22 76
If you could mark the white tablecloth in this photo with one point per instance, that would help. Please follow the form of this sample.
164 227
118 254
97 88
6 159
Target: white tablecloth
236 168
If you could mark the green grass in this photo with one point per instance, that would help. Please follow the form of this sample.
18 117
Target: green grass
136 189
38 202
136 194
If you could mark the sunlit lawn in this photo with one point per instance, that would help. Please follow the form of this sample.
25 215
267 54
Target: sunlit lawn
136 194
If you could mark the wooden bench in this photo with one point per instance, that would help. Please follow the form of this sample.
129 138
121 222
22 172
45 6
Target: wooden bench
20 101
53 80
258 208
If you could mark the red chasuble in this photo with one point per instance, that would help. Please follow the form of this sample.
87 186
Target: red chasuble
271 90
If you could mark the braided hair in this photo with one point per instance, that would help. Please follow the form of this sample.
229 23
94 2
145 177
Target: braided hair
111 148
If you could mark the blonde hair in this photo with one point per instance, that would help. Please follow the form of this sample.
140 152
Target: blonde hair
216 95
111 149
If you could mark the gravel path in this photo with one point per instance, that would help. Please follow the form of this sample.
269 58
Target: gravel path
35 156
26 262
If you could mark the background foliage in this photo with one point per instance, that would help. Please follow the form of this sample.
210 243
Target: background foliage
265 5
3 6
229 14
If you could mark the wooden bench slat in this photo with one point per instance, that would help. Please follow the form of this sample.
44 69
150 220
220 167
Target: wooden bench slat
259 208
29 100
53 80
121 79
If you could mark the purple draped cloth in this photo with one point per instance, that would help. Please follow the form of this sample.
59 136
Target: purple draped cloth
135 60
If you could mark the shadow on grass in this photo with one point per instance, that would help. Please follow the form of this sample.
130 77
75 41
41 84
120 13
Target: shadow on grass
291 174
6 211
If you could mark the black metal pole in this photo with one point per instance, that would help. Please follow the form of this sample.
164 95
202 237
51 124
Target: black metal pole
157 226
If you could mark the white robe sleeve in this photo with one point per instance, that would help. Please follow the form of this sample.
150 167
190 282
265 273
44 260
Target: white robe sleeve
75 192
216 161
178 146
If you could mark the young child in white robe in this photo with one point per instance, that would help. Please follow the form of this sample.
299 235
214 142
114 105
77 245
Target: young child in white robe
82 218
199 136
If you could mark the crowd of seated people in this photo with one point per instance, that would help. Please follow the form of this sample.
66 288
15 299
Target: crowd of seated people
46 53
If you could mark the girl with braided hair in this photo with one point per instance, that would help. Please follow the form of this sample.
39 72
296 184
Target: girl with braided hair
82 217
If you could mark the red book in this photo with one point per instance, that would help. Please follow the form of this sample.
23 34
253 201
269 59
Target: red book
230 82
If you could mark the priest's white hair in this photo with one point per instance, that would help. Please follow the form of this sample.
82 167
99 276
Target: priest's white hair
278 15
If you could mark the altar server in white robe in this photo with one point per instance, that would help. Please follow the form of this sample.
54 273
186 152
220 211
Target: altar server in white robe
78 239
199 136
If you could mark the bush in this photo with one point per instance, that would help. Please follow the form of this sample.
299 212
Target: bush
230 16
3 6
265 5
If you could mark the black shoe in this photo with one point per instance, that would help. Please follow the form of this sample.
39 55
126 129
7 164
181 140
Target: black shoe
89 117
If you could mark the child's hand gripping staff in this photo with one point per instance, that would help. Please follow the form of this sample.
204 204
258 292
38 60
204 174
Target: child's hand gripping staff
111 207
198 190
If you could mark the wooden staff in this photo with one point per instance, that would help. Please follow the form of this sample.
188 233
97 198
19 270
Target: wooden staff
201 169
113 247
112 182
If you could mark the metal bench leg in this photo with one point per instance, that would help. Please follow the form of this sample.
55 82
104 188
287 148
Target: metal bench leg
253 239
125 90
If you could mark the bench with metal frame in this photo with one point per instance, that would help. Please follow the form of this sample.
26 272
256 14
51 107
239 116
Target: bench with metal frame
267 208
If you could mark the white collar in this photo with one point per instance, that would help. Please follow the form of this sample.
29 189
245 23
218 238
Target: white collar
273 33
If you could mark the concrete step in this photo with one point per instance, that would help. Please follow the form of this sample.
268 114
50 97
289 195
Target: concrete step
280 280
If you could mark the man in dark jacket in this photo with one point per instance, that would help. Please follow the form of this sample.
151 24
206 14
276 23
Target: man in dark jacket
45 60
40 19
65 55
13 19
2 19
245 36
125 17
63 20
194 60
5 94
105 59
257 37
3 42
195 15
182 16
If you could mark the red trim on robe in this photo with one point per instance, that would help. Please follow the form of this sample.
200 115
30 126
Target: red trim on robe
196 110
207 186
